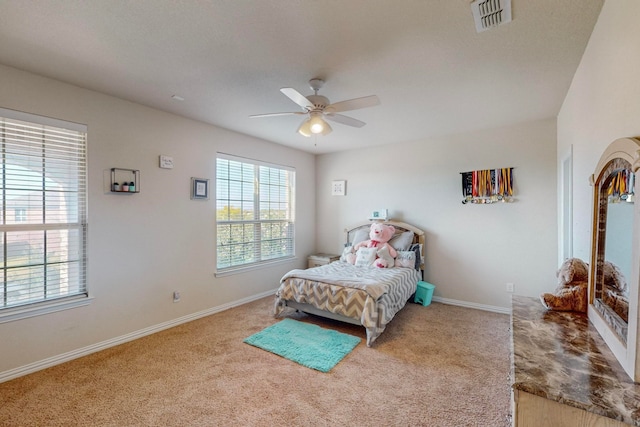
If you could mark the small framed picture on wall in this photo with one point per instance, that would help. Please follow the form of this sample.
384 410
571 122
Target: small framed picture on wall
338 188
200 188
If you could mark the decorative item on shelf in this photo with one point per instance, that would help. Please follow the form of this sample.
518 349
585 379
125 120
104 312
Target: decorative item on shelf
130 179
379 215
621 187
487 186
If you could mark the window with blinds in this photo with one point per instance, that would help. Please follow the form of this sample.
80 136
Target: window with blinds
42 209
254 212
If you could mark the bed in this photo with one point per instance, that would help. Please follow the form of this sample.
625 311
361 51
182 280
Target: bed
357 294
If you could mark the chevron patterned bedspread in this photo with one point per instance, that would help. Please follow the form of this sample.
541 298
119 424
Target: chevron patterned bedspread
370 295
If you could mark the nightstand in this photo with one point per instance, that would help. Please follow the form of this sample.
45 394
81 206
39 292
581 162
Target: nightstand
321 259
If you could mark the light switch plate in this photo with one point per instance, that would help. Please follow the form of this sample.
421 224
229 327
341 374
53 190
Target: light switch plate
166 162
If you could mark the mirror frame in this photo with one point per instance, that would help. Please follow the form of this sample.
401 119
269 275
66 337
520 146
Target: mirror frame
628 354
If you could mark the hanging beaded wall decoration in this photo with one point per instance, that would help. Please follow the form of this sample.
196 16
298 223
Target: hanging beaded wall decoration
487 186
621 187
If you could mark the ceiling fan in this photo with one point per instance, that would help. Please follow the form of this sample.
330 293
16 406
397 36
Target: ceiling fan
318 108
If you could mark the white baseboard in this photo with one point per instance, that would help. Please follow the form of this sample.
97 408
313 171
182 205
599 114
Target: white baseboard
75 354
459 303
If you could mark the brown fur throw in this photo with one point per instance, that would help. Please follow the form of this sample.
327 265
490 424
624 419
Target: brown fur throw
618 303
571 293
615 292
614 279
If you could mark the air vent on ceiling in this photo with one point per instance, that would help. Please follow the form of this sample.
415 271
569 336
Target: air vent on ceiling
490 13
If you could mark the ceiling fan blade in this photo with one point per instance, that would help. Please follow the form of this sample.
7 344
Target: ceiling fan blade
353 104
349 121
276 114
298 98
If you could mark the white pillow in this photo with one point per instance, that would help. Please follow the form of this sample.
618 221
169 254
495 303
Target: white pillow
365 256
406 259
402 241
360 236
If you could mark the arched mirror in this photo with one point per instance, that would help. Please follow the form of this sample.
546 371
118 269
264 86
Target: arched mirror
613 290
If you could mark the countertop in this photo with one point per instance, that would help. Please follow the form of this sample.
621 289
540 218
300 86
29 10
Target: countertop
560 356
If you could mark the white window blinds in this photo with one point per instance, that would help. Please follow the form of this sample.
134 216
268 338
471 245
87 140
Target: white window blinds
254 212
42 209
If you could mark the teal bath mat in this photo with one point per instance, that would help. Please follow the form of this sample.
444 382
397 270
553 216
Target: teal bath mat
309 345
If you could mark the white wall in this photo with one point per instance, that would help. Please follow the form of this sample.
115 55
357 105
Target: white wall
144 246
602 105
472 250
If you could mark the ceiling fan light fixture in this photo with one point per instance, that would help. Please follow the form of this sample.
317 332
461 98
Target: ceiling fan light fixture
326 130
316 124
305 128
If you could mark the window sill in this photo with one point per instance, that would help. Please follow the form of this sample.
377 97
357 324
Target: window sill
258 266
39 309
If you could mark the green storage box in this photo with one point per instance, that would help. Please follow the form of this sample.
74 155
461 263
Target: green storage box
424 293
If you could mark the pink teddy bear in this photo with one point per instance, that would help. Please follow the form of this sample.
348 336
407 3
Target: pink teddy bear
379 235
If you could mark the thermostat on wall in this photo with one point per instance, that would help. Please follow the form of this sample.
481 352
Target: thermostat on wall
380 214
166 162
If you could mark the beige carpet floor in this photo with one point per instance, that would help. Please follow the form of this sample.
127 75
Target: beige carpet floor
434 366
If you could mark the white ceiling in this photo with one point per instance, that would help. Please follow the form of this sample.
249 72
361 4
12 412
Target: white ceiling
434 74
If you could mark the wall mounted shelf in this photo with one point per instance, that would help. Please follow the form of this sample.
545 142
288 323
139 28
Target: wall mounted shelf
121 180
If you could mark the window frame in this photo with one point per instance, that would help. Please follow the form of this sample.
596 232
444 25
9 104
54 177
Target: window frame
79 296
258 222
